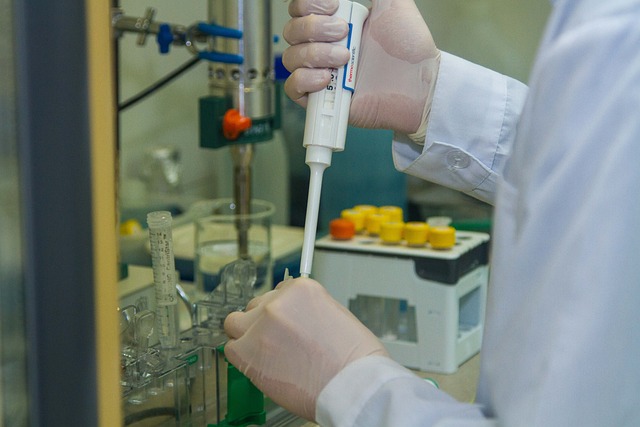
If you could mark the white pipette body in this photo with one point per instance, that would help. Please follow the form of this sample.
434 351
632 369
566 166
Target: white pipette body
326 122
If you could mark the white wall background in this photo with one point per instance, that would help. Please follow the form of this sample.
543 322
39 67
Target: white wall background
170 116
499 34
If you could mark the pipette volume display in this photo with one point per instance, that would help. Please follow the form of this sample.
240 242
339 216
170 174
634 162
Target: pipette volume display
164 277
326 123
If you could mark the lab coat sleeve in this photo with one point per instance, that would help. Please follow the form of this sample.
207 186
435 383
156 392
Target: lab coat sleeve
472 124
377 392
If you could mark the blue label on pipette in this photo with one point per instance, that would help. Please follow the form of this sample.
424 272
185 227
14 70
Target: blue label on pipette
349 75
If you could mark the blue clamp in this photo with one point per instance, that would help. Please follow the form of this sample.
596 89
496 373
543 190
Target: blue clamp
164 38
226 58
218 31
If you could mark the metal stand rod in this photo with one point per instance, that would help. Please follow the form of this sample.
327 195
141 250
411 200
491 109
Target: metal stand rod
242 155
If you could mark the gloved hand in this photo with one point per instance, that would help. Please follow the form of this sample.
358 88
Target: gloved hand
293 340
398 61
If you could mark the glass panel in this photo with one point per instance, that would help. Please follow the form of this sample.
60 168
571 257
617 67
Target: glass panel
388 318
469 317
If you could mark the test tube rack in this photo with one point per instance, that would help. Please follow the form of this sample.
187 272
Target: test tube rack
426 305
190 385
193 386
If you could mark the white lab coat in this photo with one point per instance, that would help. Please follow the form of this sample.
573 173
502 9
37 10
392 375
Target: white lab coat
561 162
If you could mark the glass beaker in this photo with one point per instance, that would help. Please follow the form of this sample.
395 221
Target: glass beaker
225 236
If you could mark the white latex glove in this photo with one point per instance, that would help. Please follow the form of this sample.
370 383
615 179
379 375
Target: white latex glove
293 340
398 62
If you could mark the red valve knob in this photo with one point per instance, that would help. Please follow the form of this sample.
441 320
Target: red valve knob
233 124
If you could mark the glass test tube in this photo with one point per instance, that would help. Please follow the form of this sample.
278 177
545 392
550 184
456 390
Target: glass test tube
164 278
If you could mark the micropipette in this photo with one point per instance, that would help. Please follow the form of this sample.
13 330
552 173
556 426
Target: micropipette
164 278
325 128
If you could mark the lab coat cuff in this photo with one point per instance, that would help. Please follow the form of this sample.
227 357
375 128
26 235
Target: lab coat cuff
446 165
471 125
342 399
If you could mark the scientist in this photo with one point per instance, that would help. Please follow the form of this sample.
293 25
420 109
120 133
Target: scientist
558 161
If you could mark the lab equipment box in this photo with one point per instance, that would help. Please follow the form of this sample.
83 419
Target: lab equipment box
427 306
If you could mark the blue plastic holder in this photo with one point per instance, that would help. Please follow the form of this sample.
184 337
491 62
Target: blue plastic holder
218 31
